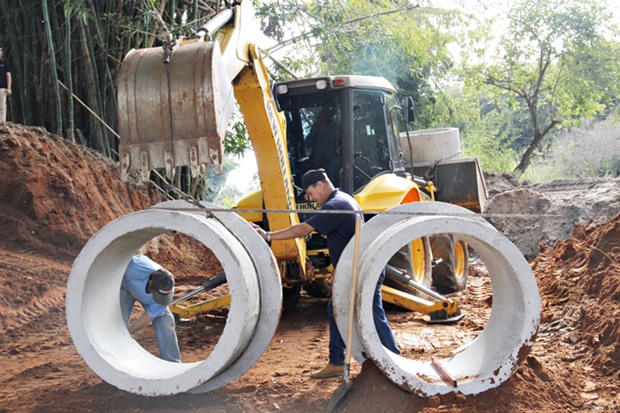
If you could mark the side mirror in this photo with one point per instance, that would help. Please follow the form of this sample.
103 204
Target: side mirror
274 93
408 109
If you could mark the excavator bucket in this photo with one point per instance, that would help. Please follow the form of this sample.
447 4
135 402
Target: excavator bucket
174 105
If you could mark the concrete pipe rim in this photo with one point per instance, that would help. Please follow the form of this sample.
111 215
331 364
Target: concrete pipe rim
269 283
370 231
102 339
493 356
434 131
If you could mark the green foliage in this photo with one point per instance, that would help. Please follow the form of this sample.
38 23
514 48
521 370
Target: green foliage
214 184
480 139
228 196
406 44
482 125
234 187
555 62
237 140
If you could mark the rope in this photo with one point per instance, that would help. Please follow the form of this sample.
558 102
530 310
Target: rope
351 212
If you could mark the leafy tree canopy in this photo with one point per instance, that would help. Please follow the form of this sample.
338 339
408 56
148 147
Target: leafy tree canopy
405 42
556 61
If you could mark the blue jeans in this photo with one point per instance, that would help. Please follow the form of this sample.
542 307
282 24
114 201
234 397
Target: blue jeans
163 325
336 344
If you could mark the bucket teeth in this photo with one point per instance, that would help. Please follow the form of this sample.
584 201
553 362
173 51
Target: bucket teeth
169 163
144 165
125 163
194 167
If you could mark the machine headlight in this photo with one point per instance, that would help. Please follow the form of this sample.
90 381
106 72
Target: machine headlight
321 84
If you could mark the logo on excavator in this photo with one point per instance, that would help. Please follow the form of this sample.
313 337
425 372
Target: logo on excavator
307 205
281 154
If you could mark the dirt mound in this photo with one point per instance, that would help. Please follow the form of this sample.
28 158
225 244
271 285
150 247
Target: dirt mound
530 215
55 195
497 183
580 280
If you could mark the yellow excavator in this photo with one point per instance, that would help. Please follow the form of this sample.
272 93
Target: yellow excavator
175 103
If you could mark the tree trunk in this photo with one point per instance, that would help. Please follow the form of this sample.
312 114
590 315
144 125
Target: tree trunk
107 95
527 156
68 74
91 81
53 67
538 137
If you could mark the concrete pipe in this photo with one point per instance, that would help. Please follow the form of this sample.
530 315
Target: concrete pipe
93 307
495 354
431 145
270 290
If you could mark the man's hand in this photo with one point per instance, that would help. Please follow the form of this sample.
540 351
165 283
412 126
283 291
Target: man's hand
261 231
140 323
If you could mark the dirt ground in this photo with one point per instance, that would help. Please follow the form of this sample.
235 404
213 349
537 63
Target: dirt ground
55 195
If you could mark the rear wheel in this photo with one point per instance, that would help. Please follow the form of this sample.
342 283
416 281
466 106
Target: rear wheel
450 273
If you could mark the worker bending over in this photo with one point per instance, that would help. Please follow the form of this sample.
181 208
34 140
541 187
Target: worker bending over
150 284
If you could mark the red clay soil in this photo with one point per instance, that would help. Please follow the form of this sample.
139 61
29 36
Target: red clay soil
55 195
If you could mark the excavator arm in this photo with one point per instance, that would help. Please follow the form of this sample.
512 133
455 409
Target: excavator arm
267 130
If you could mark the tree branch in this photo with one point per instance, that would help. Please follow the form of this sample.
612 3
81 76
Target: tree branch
370 16
307 33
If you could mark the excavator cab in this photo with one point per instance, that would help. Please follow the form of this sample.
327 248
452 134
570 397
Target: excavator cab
343 125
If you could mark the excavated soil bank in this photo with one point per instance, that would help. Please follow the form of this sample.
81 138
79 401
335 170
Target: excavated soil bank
530 215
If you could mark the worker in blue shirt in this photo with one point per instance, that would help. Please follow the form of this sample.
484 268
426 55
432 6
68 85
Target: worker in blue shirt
339 229
152 286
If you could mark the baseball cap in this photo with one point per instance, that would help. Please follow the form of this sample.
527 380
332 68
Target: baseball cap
312 177
163 283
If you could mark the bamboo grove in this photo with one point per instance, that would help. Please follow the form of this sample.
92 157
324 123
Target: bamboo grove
65 56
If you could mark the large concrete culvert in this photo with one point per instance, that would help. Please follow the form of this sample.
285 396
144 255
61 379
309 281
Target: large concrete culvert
99 333
485 362
100 336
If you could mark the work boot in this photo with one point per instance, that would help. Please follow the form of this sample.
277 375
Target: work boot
328 371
